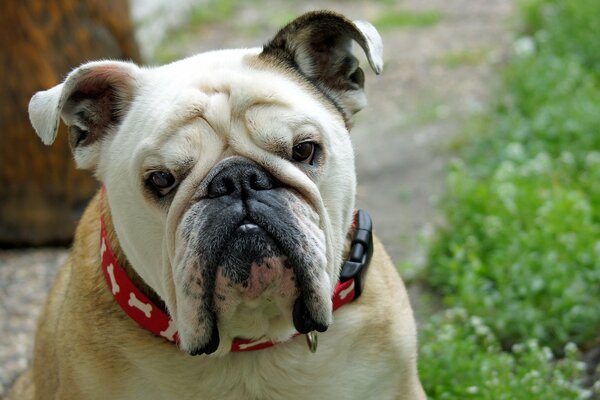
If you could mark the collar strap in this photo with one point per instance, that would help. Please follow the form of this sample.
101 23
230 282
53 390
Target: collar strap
361 251
139 308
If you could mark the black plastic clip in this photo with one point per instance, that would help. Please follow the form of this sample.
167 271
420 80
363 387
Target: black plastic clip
360 253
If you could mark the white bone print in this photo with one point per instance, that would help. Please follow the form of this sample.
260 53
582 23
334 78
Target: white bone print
169 333
103 248
347 291
113 282
136 303
252 344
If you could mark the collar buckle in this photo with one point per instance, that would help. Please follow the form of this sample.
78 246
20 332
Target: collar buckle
360 253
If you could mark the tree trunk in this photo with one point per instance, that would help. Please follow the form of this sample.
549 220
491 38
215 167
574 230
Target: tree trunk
41 193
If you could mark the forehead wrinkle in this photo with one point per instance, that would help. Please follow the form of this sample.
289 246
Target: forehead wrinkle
277 118
174 147
218 113
185 109
243 100
266 63
249 93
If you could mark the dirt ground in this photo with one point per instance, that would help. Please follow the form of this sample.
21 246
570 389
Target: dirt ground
439 69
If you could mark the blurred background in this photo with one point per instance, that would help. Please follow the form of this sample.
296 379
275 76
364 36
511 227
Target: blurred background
478 159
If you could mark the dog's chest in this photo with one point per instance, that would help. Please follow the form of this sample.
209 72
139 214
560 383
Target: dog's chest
287 372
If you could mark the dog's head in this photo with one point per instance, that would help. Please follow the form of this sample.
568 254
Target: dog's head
229 175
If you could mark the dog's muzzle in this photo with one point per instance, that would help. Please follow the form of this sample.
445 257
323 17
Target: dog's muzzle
250 253
251 236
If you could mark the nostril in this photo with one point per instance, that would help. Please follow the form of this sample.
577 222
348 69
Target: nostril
221 187
229 186
240 180
260 181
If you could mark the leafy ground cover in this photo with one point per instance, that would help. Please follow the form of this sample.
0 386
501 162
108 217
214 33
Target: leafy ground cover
520 253
463 359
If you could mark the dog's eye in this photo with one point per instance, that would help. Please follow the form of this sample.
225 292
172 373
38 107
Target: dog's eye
304 152
162 181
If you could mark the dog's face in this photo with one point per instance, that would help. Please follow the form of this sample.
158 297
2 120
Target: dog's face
229 175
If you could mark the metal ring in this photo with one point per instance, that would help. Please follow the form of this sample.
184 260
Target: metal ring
312 341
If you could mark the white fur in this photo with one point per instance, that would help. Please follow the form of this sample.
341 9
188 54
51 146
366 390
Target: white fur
218 88
44 113
374 48
45 107
202 110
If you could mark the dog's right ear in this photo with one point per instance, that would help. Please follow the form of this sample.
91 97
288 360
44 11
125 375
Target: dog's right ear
92 101
318 44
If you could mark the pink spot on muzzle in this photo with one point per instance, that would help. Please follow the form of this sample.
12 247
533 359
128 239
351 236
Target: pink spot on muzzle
267 274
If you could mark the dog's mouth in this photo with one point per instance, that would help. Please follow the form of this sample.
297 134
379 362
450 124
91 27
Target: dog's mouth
247 227
253 264
252 281
258 264
253 260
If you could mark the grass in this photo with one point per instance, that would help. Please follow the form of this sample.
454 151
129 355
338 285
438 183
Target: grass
407 19
465 57
279 19
167 52
523 208
213 11
570 26
521 248
464 360
428 109
210 12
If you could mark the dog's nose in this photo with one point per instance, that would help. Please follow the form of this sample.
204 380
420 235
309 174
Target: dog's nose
240 179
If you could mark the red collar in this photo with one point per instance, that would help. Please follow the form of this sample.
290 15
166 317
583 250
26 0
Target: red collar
150 317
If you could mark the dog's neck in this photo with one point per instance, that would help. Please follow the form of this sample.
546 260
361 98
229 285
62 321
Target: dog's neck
135 278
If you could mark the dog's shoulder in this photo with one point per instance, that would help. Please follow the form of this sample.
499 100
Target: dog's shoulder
22 388
78 307
386 306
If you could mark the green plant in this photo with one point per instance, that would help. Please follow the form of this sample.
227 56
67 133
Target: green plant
405 19
569 28
213 11
460 358
522 243
521 247
465 57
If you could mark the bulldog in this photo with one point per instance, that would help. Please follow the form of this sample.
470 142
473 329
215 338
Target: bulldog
224 235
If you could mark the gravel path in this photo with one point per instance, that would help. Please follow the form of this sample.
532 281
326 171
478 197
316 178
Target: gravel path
435 77
25 278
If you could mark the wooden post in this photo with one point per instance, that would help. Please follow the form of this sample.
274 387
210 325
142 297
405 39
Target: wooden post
41 193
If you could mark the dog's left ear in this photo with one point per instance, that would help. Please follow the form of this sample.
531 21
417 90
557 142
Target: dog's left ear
319 45
92 101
